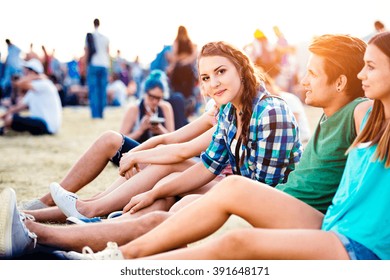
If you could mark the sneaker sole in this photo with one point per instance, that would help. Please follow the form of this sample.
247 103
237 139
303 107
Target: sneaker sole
8 197
74 221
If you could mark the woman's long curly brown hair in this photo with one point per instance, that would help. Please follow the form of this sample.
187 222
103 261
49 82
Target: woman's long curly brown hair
251 78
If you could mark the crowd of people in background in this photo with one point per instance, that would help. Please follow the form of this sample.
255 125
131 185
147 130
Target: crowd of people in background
98 79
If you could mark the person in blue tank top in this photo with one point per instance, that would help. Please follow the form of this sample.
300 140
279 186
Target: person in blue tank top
356 225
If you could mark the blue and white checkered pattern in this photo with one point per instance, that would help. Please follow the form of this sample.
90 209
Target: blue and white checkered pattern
273 148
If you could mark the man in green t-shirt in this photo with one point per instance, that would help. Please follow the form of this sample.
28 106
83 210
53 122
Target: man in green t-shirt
331 83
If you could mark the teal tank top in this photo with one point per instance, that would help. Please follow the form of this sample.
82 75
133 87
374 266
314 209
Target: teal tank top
360 209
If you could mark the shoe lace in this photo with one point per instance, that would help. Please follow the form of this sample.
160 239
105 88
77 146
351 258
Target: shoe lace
110 252
23 217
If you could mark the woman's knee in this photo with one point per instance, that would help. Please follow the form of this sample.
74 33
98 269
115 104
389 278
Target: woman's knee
186 200
227 185
231 243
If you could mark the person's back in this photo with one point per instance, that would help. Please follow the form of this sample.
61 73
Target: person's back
13 58
101 56
181 68
12 66
44 102
161 61
97 71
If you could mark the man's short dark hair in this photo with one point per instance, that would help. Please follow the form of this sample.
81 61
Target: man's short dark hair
96 22
343 55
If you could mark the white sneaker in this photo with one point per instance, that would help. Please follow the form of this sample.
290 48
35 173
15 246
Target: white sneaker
33 204
15 238
65 200
112 252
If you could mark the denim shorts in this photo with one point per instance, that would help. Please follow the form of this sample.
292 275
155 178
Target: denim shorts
355 250
127 145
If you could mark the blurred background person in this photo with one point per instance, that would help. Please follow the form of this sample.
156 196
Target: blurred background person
181 69
151 115
263 54
41 99
116 91
97 71
379 27
12 66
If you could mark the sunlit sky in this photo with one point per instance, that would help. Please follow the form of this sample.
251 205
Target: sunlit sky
142 27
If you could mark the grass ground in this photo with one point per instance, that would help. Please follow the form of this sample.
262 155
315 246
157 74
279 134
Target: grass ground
29 163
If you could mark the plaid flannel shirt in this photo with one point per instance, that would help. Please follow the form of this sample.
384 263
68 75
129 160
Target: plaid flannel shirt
273 148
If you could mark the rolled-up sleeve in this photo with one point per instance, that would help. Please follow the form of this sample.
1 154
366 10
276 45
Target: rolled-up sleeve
216 157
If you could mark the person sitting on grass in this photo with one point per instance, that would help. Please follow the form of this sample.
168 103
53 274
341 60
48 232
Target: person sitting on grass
138 122
42 101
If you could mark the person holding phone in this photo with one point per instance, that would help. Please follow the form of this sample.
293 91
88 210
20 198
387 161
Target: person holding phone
152 115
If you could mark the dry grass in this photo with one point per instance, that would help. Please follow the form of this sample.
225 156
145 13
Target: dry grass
29 163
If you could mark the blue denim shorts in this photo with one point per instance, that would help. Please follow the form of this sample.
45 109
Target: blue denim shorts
355 250
127 145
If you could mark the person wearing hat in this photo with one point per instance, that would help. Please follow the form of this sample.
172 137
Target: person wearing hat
262 53
41 99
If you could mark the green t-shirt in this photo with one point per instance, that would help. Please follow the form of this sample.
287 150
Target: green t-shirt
318 174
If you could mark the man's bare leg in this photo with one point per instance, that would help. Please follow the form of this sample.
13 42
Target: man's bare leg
139 183
96 236
90 164
119 196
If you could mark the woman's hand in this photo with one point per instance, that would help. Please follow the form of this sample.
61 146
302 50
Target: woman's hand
139 202
158 129
145 123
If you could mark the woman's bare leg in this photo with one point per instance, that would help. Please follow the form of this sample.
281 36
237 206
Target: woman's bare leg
259 204
268 244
